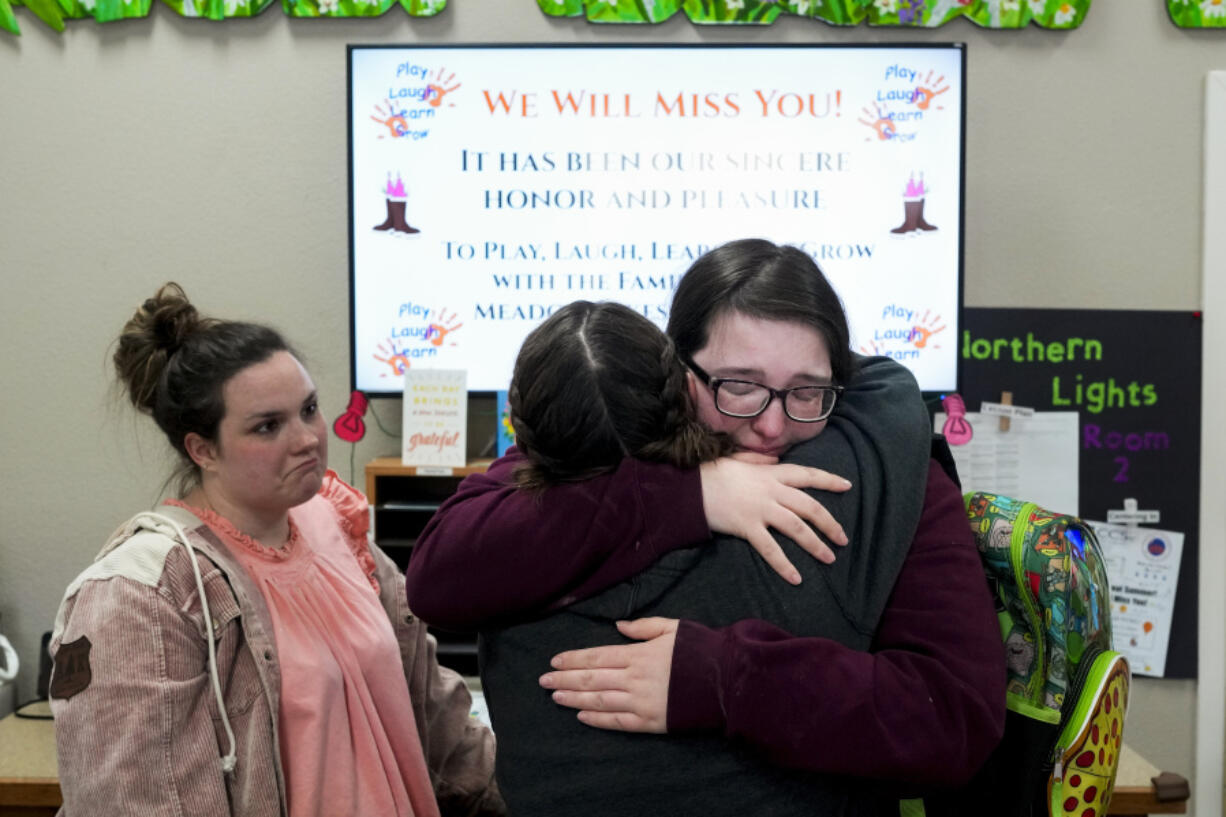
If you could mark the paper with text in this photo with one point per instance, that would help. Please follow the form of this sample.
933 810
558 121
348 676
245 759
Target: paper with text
435 417
1143 568
1035 460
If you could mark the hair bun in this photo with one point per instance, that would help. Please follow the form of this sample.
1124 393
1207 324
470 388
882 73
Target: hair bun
170 318
150 338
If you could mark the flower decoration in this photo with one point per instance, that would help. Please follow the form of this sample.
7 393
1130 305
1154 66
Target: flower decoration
911 12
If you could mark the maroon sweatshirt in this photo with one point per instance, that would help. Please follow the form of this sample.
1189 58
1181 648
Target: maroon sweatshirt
925 704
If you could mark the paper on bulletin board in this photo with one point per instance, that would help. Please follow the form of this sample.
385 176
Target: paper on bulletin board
1143 568
1035 460
435 417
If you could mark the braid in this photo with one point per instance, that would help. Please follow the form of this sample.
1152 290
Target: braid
682 441
539 470
594 370
538 467
595 384
674 395
550 456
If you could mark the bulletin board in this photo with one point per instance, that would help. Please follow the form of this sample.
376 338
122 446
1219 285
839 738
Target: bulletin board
1134 377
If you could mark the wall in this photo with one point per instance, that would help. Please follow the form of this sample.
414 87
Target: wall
214 154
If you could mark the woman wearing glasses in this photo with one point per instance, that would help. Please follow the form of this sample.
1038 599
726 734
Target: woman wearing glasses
884 663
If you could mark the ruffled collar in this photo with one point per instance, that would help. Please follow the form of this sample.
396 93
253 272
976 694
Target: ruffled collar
226 529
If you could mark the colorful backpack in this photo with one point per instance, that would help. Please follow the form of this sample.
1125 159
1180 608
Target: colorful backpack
1067 689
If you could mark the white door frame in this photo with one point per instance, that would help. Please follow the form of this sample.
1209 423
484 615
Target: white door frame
1211 651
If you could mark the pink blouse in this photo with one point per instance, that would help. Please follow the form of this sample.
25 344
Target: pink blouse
349 741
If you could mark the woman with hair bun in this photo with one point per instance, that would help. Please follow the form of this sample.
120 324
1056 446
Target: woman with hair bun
245 649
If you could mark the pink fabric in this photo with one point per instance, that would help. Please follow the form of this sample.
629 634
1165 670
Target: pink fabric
348 737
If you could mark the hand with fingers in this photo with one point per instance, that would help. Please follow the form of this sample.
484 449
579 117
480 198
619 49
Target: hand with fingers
748 498
622 687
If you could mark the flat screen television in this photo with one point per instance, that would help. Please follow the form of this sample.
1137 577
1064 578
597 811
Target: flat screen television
491 184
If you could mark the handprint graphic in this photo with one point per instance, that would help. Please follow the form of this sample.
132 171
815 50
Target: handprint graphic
435 90
438 330
879 121
393 356
924 332
929 90
392 118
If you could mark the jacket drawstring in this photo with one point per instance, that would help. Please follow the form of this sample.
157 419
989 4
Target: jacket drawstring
229 760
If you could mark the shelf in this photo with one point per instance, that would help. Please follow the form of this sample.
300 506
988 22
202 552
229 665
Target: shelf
394 543
455 647
414 483
393 467
428 507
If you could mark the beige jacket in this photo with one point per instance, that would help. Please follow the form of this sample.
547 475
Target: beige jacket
138 728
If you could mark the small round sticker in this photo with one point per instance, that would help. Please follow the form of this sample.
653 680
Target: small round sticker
1156 547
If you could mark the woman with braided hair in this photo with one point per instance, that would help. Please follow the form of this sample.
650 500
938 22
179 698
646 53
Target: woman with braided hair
597 383
628 596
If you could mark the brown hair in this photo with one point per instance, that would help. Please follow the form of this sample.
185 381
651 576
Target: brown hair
594 384
173 362
762 280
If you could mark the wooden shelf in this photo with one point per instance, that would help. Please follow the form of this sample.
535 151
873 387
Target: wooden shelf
393 467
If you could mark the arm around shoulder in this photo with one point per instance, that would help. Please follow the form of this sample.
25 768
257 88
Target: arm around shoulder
492 551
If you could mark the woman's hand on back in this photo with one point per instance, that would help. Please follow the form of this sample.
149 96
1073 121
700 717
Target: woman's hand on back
622 686
747 494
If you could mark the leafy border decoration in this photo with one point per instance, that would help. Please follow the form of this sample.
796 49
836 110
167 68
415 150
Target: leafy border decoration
55 12
1197 13
995 14
1000 14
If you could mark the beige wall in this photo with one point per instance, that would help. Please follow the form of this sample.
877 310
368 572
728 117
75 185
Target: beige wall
215 154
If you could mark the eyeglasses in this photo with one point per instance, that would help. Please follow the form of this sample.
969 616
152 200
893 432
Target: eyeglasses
745 398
